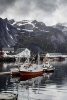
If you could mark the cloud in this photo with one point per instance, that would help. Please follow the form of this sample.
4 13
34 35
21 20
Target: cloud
5 4
47 6
63 2
48 11
25 6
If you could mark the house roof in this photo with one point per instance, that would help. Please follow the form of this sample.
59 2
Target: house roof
57 53
20 50
7 49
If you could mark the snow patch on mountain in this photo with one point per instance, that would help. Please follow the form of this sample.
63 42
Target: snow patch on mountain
28 30
11 37
7 28
19 24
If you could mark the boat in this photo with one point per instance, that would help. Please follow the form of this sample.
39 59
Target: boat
47 67
31 70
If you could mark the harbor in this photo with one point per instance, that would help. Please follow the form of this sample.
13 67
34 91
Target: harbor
33 50
23 73
28 88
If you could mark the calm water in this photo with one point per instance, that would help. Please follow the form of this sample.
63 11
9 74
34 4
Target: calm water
50 86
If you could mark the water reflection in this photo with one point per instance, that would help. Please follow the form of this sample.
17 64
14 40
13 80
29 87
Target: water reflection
50 86
32 88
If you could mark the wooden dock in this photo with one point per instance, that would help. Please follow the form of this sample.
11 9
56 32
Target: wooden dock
12 72
5 73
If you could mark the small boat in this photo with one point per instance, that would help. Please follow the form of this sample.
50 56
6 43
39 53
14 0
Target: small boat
47 67
31 70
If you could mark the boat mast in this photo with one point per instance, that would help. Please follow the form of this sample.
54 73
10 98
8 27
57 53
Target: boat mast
38 59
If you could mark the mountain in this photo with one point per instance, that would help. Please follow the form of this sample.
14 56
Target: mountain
62 27
8 33
33 35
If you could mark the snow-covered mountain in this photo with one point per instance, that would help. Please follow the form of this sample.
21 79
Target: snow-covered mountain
33 34
29 26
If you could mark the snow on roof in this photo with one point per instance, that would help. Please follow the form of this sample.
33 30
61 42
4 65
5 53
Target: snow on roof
57 53
20 50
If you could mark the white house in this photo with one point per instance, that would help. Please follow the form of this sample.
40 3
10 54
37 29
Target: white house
20 52
24 52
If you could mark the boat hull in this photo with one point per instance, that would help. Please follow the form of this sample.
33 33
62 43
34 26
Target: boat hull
30 74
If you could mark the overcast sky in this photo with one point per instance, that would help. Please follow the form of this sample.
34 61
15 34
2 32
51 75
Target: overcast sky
48 11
